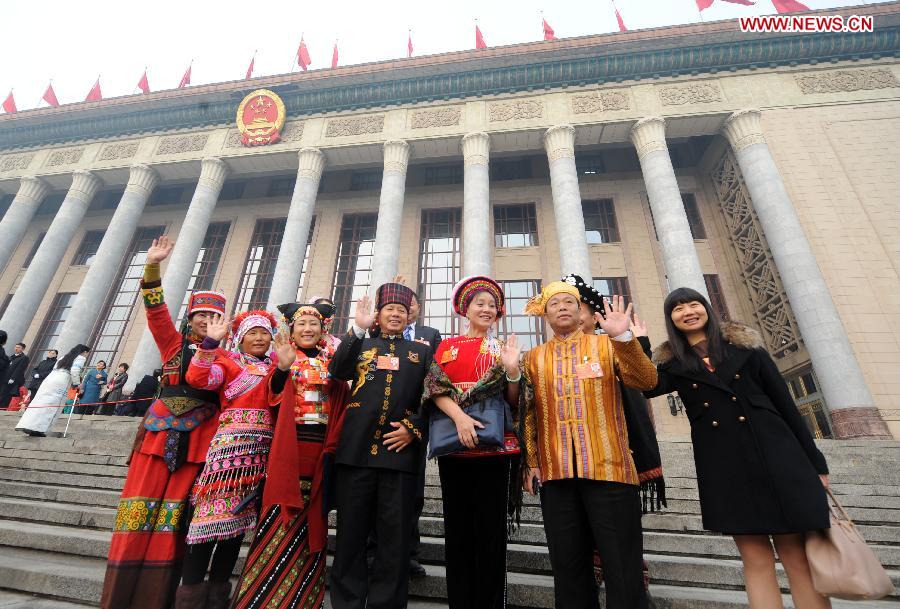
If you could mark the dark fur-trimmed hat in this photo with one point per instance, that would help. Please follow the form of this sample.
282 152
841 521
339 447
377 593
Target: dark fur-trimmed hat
589 295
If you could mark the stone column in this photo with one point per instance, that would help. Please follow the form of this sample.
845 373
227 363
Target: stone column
33 287
676 244
478 242
93 291
390 214
180 265
289 265
574 257
853 410
18 216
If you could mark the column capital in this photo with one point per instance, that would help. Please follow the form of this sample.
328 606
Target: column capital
743 129
312 163
476 148
213 172
649 135
31 187
396 155
84 184
142 179
559 142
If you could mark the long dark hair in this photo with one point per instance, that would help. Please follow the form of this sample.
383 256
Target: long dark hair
69 358
686 355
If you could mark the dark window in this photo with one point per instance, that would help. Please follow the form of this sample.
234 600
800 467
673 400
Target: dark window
443 175
232 191
439 254
207 261
34 249
353 271
170 195
53 325
281 187
90 243
366 180
716 298
108 199
613 286
119 305
529 329
510 170
600 221
589 164
5 202
261 257
515 225
693 215
51 203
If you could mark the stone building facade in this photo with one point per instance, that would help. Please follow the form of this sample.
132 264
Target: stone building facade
759 169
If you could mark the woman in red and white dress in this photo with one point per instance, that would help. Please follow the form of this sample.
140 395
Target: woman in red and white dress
479 484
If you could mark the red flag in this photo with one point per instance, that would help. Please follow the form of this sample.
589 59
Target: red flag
303 59
334 57
549 34
9 105
50 96
409 47
704 4
789 6
622 27
250 68
479 39
94 94
143 83
186 79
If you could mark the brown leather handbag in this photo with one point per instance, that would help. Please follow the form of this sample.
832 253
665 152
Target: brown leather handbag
841 564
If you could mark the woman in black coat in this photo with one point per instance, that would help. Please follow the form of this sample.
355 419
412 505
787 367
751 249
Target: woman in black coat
759 473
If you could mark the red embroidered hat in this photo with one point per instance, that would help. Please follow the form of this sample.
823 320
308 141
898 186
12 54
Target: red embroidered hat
468 287
393 293
205 300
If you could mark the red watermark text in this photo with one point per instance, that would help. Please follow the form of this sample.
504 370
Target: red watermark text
807 23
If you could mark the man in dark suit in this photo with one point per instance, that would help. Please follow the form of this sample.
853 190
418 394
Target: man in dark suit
40 372
14 377
430 336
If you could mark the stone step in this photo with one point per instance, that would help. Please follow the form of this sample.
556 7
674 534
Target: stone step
84 496
61 479
69 466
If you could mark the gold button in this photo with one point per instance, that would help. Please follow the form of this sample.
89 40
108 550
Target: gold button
706 404
734 398
737 376
715 423
694 386
742 419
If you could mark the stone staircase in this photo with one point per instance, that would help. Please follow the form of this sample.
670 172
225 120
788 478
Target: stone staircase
58 498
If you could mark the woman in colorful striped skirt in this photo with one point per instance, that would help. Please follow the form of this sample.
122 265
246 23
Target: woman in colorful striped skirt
286 563
223 497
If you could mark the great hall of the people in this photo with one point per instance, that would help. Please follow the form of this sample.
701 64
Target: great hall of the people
760 169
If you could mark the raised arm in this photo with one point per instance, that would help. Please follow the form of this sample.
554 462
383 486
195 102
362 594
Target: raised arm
205 372
343 364
159 320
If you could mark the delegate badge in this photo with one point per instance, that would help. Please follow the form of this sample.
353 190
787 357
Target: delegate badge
388 362
588 370
450 355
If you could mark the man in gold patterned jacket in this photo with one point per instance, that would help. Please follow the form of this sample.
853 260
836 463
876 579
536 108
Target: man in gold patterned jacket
577 451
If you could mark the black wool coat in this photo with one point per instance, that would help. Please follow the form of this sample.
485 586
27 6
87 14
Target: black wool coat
757 464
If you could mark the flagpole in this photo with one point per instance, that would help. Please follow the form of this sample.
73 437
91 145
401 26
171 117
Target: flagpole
699 12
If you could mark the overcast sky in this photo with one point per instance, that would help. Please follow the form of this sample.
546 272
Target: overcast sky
72 42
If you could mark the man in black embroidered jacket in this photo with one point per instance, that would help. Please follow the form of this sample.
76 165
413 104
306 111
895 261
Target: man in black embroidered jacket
380 452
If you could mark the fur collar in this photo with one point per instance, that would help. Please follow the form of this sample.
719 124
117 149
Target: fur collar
735 333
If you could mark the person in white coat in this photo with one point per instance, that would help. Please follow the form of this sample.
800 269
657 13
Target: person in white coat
50 398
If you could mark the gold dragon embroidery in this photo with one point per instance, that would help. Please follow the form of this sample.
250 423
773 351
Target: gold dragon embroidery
362 368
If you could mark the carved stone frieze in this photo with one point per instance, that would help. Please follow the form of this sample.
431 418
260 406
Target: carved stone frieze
355 125
838 81
69 156
691 93
182 143
601 101
443 117
16 162
121 150
518 109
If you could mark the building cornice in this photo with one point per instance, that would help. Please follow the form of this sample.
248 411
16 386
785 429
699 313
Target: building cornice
593 60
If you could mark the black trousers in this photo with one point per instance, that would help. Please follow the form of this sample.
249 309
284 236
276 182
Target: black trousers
579 514
475 492
380 500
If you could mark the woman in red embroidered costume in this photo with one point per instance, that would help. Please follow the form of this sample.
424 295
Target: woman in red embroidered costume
479 485
224 495
286 563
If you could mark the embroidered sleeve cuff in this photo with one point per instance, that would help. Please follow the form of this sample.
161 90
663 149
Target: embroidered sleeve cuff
153 295
204 358
412 428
